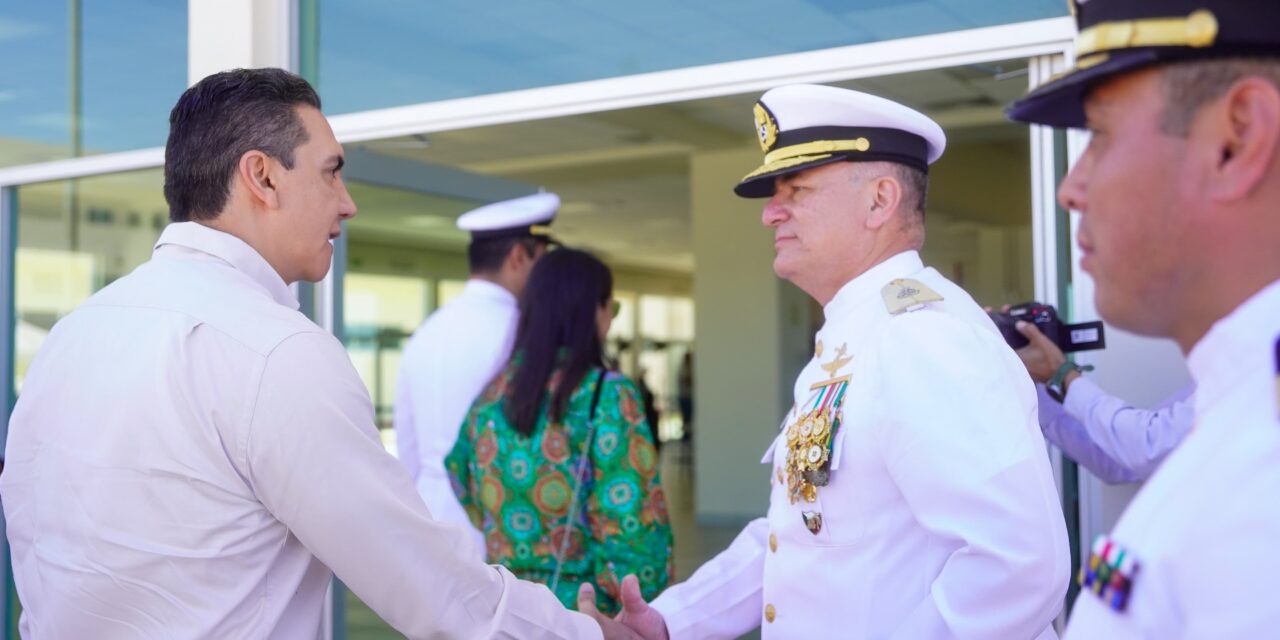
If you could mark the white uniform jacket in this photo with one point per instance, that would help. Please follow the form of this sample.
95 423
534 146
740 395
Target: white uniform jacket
1111 438
1200 538
941 519
191 457
446 364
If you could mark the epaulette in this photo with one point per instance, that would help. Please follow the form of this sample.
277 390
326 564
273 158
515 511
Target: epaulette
907 295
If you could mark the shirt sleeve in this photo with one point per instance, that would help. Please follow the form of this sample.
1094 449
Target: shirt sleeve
957 437
1137 439
1069 435
724 597
627 507
316 464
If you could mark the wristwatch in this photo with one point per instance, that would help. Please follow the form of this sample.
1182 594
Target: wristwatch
1056 387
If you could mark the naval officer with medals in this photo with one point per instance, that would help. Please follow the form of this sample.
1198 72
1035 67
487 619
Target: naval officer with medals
1179 196
911 494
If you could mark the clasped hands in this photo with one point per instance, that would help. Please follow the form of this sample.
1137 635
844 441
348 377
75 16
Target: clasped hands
636 620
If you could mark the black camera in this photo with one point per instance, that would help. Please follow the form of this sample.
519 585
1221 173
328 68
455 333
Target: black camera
1084 336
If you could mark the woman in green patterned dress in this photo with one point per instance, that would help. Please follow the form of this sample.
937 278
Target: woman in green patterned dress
532 438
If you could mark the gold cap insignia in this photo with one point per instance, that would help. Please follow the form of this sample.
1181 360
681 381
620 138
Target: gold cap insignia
766 127
907 295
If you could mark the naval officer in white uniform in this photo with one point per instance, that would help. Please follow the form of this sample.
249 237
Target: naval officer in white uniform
1179 191
910 489
463 345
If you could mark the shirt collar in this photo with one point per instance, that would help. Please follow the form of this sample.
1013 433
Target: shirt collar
489 291
868 284
1237 348
229 249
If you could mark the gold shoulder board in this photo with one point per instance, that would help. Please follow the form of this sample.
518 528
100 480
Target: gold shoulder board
907 295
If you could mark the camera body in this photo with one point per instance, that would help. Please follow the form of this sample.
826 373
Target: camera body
1084 336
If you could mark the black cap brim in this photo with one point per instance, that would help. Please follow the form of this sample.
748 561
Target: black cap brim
1060 102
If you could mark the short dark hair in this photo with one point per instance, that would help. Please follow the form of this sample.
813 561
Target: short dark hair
1190 85
487 256
557 331
217 121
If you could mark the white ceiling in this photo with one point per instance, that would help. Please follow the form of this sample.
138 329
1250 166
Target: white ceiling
623 175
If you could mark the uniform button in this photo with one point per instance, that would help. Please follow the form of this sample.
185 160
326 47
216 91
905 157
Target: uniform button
773 543
769 613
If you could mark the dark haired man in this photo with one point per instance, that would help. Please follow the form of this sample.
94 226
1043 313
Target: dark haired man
191 457
462 346
1179 195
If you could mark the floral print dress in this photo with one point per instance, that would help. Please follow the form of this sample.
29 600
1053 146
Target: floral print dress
518 490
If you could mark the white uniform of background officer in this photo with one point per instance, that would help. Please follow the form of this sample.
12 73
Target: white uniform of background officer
932 512
1179 195
460 347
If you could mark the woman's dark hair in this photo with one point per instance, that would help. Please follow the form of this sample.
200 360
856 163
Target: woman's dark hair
557 329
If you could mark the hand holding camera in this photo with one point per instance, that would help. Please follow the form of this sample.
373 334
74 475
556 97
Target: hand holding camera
1042 342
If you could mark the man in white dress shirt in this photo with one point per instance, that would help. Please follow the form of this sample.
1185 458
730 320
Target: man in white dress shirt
911 493
462 346
1179 191
1113 439
192 458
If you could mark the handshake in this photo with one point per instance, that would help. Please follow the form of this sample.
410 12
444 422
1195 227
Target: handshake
636 620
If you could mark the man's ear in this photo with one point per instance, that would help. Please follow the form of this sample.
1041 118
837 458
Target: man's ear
256 171
1245 126
886 196
517 257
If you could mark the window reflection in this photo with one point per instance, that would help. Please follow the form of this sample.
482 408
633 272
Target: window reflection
83 78
75 237
429 51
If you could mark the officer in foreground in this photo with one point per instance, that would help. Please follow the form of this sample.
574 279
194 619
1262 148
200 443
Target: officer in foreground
1179 191
911 494
462 346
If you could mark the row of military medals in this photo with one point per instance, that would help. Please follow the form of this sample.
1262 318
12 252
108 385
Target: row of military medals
811 438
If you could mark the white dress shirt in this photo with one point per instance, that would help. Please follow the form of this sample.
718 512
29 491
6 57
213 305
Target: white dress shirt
1204 528
446 364
941 519
191 456
1111 438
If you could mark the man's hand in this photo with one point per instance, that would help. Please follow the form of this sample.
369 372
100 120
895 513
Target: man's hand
611 628
1042 357
637 619
637 614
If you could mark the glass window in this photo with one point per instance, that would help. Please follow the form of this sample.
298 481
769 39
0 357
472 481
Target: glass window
380 313
83 78
75 237
384 53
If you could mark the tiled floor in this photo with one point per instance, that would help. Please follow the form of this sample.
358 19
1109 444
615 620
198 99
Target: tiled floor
693 544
